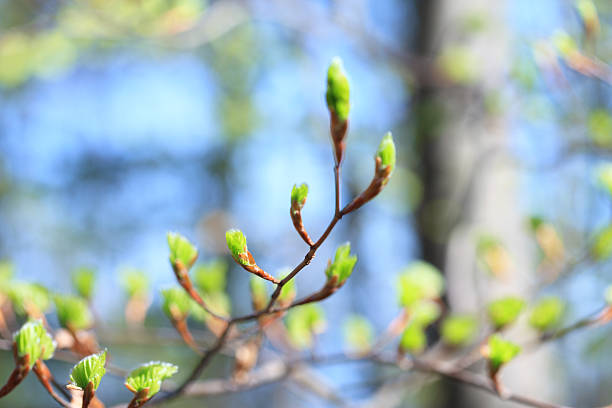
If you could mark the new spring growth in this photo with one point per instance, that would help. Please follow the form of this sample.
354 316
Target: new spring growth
176 305
298 199
259 293
183 255
87 374
145 381
341 268
237 245
498 352
384 164
505 311
337 97
73 312
30 344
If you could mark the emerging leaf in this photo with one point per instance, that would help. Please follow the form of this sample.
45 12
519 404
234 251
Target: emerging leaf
500 351
299 195
217 302
83 280
237 245
425 312
492 255
176 303
89 370
418 281
28 297
600 127
73 312
386 152
289 290
303 323
338 90
343 264
459 330
602 244
358 333
32 339
211 277
181 250
505 311
413 339
150 376
259 292
135 282
547 313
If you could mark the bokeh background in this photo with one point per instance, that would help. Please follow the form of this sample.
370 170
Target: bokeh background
121 120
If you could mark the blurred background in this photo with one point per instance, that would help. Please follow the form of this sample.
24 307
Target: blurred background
121 120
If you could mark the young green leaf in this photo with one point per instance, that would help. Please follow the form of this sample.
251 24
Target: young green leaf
217 302
289 290
343 264
299 195
211 277
358 333
303 323
413 339
500 351
149 376
338 90
602 244
135 282
176 303
73 312
259 292
505 311
28 298
604 177
28 342
547 313
459 330
181 250
89 370
425 312
386 152
83 280
600 127
418 281
237 245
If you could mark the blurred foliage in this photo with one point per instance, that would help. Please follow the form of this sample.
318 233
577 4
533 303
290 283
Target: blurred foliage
547 313
505 311
501 351
358 333
459 330
419 281
83 281
73 312
304 323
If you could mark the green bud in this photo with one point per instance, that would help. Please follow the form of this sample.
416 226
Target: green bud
602 244
211 277
299 195
24 295
420 280
303 323
425 312
501 351
289 290
28 342
149 376
89 370
176 303
337 95
505 311
413 339
343 264
237 245
259 291
386 152
358 333
547 313
600 127
73 312
181 249
135 282
459 330
83 280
